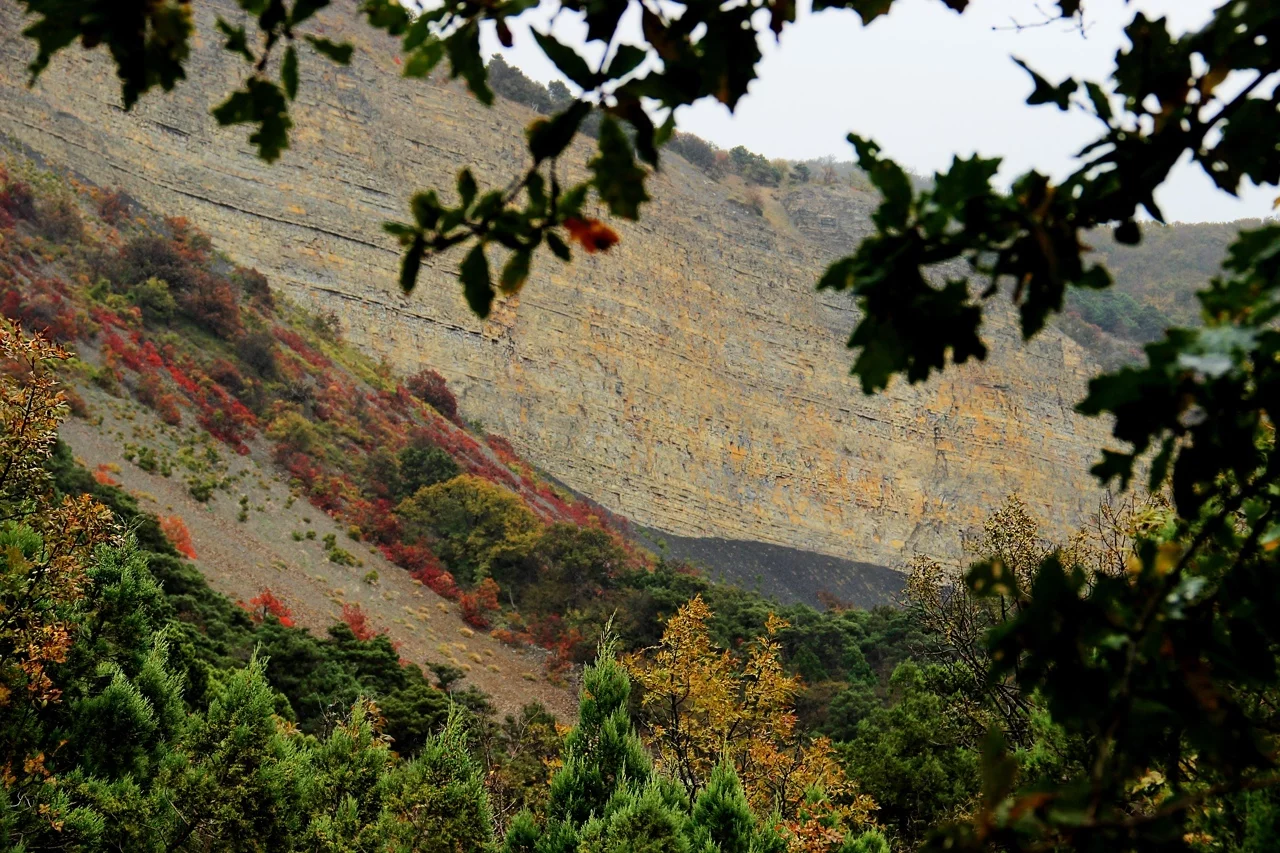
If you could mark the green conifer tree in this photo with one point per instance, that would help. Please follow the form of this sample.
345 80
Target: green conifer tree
348 786
871 841
437 802
236 780
651 820
602 757
721 815
603 752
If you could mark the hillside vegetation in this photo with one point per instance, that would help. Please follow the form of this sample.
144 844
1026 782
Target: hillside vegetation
234 385
163 714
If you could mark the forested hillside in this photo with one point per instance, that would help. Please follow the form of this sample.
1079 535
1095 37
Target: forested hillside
1155 287
142 710
195 372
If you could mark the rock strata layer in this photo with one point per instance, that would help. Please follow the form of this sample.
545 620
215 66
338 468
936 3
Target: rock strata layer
691 378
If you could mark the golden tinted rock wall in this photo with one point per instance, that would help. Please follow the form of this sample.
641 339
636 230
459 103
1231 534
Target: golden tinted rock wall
690 379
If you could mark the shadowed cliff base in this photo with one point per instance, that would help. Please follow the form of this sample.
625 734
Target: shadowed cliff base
786 574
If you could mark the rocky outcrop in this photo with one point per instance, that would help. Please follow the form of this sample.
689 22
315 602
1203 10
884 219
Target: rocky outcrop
691 379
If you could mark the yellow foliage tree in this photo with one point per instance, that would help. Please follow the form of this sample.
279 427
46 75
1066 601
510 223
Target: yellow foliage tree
702 704
1011 542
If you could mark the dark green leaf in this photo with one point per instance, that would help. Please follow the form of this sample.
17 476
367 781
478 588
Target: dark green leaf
535 186
1114 466
148 42
411 263
889 178
1101 104
602 18
426 210
618 180
549 137
516 271
1128 233
839 276
628 106
476 284
1247 147
339 52
289 72
465 61
304 9
237 40
567 60
262 103
868 10
401 231
570 202
273 13
388 15
730 54
424 59
626 60
999 769
466 187
558 247
1045 92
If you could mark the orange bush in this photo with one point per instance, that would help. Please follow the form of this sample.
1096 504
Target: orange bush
358 622
477 605
175 530
266 603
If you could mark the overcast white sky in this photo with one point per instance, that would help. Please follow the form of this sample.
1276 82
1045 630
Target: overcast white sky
928 84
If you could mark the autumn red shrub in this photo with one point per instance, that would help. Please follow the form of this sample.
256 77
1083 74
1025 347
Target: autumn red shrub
502 447
431 388
75 403
423 566
222 415
566 642
511 638
226 374
58 219
151 393
193 244
480 604
444 586
175 530
295 342
376 519
266 604
358 622
102 476
40 306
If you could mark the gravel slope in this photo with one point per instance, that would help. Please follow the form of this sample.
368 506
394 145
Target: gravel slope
241 558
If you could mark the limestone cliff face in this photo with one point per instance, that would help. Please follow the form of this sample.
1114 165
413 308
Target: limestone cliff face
691 379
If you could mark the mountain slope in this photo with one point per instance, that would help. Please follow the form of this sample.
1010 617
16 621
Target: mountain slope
691 379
